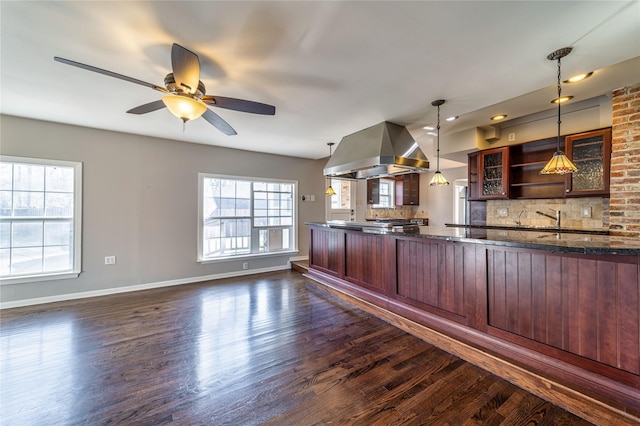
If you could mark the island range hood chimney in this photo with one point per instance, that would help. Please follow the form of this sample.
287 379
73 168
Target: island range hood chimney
385 149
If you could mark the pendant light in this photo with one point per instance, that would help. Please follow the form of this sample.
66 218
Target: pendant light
329 192
559 163
438 179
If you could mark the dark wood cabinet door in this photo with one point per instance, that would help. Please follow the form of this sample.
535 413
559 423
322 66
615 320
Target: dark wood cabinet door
591 153
373 191
408 190
473 180
494 173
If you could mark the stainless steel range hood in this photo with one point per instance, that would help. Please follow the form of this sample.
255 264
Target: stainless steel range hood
385 149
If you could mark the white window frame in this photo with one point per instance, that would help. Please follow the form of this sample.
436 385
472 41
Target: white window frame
77 222
254 244
391 184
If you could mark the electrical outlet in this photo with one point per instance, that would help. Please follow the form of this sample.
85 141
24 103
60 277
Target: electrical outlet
245 265
110 260
512 137
586 212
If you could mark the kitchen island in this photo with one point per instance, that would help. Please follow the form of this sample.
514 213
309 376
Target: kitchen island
555 313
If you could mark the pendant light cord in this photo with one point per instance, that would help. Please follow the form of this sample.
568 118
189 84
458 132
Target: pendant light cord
438 144
559 93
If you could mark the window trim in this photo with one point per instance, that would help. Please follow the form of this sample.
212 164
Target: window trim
244 256
77 221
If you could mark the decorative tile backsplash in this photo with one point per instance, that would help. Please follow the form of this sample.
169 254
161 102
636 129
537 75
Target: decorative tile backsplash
397 212
575 213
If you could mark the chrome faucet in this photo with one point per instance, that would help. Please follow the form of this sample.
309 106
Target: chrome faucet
556 217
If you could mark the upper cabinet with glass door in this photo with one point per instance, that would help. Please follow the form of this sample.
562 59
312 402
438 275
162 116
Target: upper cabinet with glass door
591 153
494 173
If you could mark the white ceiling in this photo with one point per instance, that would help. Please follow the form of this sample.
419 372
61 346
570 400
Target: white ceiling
330 68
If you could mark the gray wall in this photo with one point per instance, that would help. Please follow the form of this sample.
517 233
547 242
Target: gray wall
140 197
437 201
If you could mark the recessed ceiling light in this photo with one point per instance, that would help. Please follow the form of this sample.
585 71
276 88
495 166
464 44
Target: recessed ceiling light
561 99
432 133
499 117
452 118
429 128
579 77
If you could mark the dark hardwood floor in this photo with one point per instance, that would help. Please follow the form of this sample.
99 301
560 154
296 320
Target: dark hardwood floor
263 349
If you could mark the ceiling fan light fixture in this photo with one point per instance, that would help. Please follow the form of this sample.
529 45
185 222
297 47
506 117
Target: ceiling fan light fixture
184 107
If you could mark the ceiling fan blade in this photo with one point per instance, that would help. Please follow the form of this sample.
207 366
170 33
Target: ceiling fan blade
218 122
109 73
150 107
239 105
186 68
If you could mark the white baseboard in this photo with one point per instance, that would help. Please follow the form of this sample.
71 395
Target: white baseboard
147 286
296 258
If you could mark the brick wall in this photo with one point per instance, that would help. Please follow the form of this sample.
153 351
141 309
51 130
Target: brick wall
624 214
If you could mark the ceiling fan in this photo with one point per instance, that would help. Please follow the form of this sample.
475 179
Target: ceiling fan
184 93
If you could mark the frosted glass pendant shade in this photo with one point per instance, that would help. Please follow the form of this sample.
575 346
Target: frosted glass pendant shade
183 107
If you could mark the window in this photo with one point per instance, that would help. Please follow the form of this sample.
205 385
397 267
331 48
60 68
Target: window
342 198
40 219
386 194
245 216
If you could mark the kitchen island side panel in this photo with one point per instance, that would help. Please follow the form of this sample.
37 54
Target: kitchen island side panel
585 306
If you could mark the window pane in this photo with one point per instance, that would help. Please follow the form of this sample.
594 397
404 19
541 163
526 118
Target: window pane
57 234
5 234
29 177
228 188
243 189
28 203
243 207
59 179
6 176
227 207
26 260
259 204
209 207
57 258
27 234
211 187
6 203
58 204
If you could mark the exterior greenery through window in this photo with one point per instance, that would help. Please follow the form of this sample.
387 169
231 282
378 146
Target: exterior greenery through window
40 219
245 216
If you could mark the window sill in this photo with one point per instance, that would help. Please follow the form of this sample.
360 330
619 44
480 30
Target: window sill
37 278
246 256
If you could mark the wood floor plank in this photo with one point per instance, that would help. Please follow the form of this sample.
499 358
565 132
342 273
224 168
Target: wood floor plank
266 349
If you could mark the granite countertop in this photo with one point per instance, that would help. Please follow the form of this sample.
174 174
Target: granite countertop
534 228
552 241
